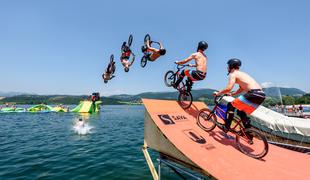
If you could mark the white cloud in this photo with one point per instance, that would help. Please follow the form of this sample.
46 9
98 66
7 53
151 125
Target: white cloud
268 84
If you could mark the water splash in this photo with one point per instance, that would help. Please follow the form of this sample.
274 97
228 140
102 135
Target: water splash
82 129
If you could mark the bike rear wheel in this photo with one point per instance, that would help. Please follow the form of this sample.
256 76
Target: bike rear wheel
111 58
130 40
169 78
185 99
143 61
252 143
147 37
206 120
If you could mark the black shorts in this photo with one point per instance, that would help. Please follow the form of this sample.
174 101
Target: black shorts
195 75
256 96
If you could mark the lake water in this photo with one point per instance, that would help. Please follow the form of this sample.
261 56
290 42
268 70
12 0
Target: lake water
46 145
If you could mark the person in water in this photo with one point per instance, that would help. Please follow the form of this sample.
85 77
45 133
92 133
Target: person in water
108 74
153 53
200 64
126 53
80 122
245 104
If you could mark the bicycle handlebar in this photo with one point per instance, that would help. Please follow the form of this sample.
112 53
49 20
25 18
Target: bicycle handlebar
181 66
217 99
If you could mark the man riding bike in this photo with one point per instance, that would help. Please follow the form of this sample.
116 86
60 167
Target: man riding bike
126 52
200 64
245 104
108 74
153 53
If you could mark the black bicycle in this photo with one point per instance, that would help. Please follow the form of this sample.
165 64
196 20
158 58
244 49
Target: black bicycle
126 47
185 98
249 141
145 51
110 69
112 64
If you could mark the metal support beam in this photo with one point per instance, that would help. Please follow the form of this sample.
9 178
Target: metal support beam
149 161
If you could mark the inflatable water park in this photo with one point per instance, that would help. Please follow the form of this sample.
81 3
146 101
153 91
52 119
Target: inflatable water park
85 106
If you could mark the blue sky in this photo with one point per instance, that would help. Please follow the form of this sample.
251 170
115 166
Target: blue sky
63 46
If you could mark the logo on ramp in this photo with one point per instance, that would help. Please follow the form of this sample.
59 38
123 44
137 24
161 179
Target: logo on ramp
166 119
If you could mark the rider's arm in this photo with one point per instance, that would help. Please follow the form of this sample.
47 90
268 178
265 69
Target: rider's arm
112 77
230 85
161 45
186 60
133 59
240 90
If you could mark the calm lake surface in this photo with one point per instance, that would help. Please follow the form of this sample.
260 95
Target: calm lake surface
46 146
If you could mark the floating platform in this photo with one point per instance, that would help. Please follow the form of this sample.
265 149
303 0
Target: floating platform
173 132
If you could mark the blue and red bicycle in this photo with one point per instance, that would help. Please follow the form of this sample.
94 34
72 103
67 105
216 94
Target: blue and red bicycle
249 141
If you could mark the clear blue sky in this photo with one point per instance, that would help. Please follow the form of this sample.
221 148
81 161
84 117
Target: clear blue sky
63 46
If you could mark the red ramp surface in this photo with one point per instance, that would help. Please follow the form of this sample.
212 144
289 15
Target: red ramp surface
215 154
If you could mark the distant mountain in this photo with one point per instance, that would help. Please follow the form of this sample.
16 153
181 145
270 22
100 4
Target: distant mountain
163 95
53 99
10 94
277 91
203 94
199 94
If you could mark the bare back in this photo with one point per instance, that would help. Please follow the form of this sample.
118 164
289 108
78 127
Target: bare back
201 61
245 81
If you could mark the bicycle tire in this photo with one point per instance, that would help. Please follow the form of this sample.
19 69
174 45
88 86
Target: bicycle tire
143 61
169 78
130 40
257 137
111 58
204 116
147 37
185 99
123 47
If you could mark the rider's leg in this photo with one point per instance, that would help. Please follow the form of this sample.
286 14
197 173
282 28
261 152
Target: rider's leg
181 76
229 115
189 83
244 118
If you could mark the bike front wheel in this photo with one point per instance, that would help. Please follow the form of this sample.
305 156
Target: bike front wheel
130 40
169 78
143 61
185 99
252 143
206 120
147 37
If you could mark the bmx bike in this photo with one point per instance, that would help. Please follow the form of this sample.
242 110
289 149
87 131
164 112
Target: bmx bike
185 98
249 141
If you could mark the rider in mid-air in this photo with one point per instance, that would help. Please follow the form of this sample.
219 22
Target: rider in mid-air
245 104
200 64
153 53
126 52
108 74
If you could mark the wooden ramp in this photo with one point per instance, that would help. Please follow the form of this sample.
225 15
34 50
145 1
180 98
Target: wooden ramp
173 132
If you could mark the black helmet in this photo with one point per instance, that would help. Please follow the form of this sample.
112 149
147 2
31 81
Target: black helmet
126 69
234 63
162 52
202 45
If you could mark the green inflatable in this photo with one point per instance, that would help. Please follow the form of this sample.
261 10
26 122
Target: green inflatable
10 109
40 108
87 107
